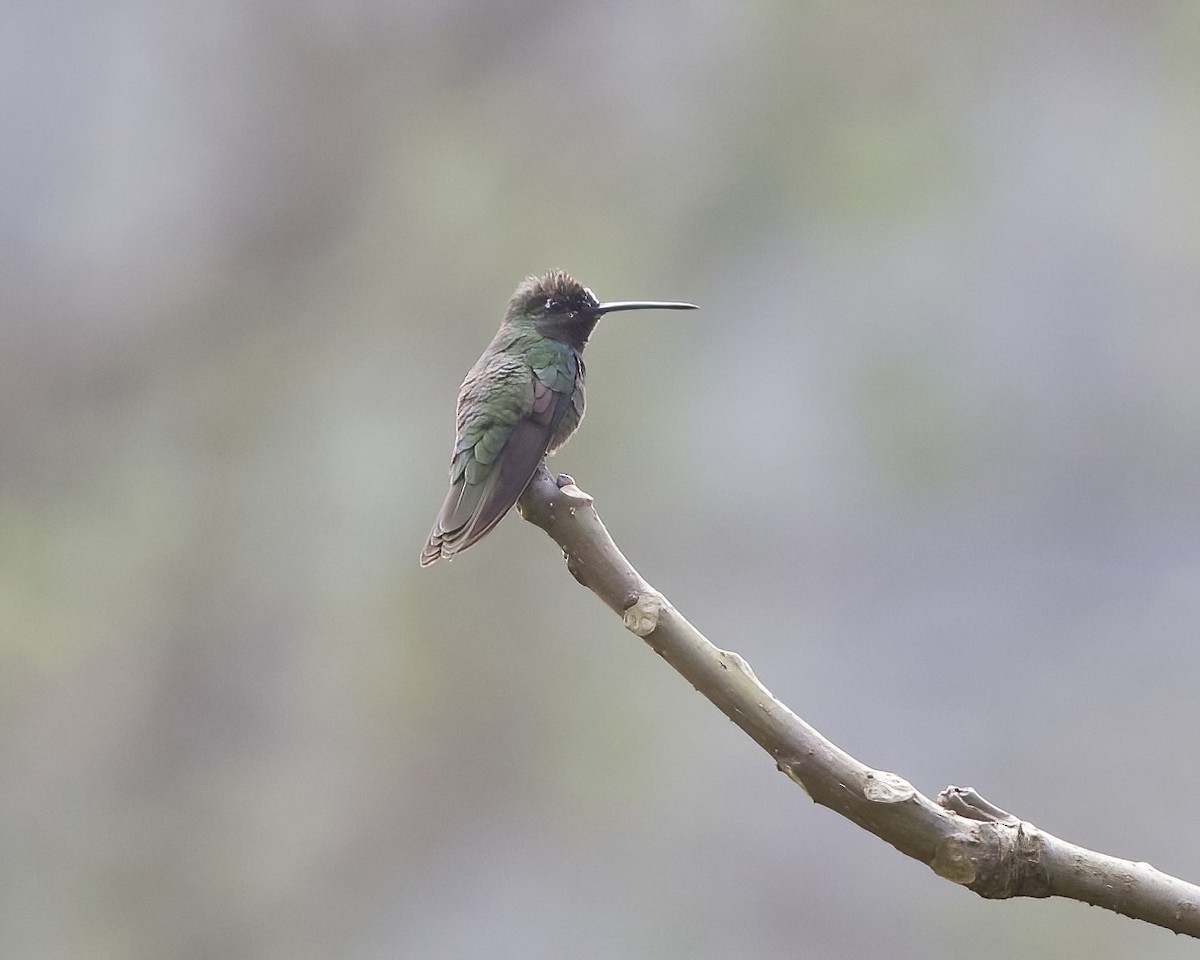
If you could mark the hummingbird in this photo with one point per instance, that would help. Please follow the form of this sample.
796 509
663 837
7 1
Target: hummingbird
519 403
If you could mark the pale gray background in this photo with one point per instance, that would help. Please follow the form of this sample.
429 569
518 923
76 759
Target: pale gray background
928 457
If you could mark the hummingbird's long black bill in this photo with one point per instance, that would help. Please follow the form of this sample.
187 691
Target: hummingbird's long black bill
644 305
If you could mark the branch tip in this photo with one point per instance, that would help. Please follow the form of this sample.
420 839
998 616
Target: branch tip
567 486
966 802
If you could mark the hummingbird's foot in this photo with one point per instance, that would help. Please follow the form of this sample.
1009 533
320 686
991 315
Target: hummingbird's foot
564 480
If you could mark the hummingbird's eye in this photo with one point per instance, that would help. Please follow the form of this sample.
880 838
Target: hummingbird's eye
554 306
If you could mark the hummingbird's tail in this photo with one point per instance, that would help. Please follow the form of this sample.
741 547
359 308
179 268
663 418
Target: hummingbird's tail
471 510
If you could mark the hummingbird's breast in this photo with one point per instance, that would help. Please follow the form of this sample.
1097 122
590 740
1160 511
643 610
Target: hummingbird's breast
574 413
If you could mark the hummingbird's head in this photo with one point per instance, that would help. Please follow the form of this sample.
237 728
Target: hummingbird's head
558 305
562 308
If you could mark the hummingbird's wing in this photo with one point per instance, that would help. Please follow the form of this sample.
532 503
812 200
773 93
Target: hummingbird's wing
508 413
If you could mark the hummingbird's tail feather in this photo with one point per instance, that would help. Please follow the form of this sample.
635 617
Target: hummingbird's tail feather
471 510
448 530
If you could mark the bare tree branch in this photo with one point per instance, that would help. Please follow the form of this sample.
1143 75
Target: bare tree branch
961 836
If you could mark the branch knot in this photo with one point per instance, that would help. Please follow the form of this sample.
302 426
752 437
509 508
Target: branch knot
641 617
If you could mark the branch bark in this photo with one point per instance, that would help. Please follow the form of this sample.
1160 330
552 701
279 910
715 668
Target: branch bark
961 836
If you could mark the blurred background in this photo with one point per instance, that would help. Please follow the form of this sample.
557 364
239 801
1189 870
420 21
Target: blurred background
928 457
